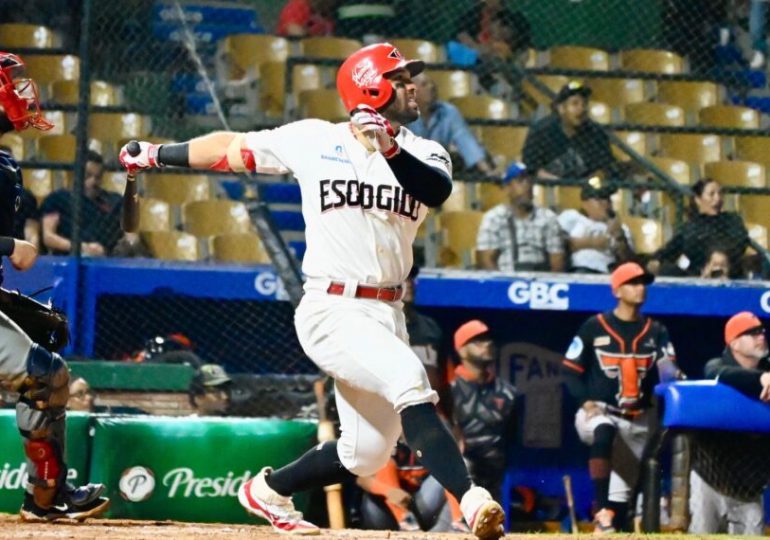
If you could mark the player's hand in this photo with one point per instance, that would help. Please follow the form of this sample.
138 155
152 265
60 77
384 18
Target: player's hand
592 409
93 249
376 128
24 254
764 380
398 497
145 159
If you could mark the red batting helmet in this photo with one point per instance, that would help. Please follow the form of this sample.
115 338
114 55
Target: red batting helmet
18 96
361 77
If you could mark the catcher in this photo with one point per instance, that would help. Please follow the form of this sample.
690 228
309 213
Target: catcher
31 334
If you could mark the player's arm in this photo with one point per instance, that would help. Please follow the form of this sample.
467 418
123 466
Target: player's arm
574 367
21 253
746 381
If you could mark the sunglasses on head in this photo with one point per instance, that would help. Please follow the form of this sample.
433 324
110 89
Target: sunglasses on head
758 331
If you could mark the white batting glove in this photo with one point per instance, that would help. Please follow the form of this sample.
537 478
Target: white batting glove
377 128
145 159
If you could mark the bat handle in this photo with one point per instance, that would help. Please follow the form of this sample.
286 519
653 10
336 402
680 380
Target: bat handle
133 148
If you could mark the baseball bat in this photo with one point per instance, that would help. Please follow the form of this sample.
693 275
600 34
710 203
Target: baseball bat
567 479
326 433
129 220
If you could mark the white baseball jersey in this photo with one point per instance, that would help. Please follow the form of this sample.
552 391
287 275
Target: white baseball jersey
359 222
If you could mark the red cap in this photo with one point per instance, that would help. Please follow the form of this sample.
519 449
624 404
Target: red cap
628 271
468 331
740 323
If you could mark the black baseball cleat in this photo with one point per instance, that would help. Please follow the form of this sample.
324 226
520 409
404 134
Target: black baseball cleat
64 509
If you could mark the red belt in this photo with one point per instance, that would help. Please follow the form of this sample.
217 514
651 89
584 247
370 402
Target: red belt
386 294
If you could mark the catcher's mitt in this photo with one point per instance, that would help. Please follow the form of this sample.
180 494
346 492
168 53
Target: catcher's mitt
45 325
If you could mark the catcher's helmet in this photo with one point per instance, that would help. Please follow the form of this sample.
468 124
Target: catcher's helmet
18 96
361 77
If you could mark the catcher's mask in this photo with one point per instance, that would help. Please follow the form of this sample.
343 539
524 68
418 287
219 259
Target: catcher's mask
19 96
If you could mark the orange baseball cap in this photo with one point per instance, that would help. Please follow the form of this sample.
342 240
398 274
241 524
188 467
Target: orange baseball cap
628 271
739 324
468 331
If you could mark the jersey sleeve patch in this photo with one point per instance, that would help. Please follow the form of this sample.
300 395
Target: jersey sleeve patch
575 349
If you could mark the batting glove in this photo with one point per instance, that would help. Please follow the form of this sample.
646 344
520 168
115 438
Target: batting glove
145 159
377 128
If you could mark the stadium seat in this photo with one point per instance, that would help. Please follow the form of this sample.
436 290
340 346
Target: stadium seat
736 173
244 248
177 188
15 142
729 116
154 215
690 95
59 148
675 168
103 94
118 126
172 245
691 148
272 84
114 181
328 47
654 114
40 182
47 68
420 49
647 234
616 92
635 139
322 103
754 208
651 61
26 36
247 52
566 197
553 82
459 231
490 195
504 143
758 233
482 107
574 57
755 149
599 112
451 83
215 217
458 199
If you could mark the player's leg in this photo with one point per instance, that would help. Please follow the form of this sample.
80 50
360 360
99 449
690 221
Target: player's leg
42 380
745 518
598 432
708 508
627 451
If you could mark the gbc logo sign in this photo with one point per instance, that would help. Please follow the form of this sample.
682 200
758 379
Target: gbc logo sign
268 284
539 295
764 302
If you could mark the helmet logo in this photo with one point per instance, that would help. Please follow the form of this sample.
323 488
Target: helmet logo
396 54
365 75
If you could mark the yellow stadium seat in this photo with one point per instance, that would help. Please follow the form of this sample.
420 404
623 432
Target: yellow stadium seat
504 143
419 49
177 188
47 68
647 234
675 168
654 114
754 209
247 52
691 148
691 96
459 230
324 104
61 148
566 197
458 199
755 149
635 139
40 182
736 173
490 195
215 217
616 92
328 47
28 36
451 83
758 233
484 107
154 215
103 94
554 84
172 245
574 57
729 116
114 181
272 84
244 248
599 112
651 61
118 126
15 144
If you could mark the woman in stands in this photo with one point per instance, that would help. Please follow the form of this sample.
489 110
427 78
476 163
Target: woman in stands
708 225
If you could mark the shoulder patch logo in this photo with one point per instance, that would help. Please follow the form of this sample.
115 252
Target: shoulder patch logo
438 157
601 341
575 349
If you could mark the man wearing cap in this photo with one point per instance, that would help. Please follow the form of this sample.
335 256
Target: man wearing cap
567 143
209 394
518 235
729 474
483 406
596 237
611 367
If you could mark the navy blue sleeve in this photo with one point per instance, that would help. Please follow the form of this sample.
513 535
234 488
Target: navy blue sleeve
427 184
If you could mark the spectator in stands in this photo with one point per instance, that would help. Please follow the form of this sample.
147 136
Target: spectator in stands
729 474
27 224
100 229
757 23
567 143
717 264
518 235
708 225
402 486
483 406
596 237
209 391
442 122
81 396
301 18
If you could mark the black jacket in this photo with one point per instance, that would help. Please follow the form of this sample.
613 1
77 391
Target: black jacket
727 370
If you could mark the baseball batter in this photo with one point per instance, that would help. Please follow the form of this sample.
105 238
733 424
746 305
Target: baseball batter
32 367
612 365
366 186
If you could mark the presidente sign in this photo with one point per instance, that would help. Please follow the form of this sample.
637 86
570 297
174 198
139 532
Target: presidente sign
138 484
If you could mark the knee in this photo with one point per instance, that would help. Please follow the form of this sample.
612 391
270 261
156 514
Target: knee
49 377
364 462
604 435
